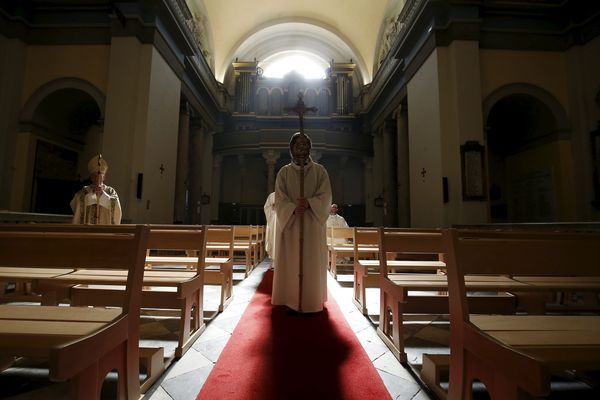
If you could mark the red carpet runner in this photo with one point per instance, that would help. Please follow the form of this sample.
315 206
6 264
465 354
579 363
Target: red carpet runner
274 355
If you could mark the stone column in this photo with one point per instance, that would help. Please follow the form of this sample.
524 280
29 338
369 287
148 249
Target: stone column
390 206
271 157
208 177
181 180
216 188
195 175
369 195
403 173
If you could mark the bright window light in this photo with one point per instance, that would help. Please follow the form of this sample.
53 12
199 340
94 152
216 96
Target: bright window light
306 64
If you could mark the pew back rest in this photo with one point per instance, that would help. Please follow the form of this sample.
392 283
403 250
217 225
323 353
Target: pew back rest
365 238
242 234
190 239
340 236
515 253
79 246
407 241
221 236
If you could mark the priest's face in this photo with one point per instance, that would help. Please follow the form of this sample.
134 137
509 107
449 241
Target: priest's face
300 148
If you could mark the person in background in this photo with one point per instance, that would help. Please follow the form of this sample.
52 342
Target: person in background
96 203
271 217
335 220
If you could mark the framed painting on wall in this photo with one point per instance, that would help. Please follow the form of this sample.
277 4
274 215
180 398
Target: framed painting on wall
473 171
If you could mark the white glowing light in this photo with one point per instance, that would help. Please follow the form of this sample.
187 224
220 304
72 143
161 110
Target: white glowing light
307 65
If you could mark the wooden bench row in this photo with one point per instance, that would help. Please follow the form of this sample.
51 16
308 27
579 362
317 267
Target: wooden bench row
516 355
177 284
482 273
180 289
81 344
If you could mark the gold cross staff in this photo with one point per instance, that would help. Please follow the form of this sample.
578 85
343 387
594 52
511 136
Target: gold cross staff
301 109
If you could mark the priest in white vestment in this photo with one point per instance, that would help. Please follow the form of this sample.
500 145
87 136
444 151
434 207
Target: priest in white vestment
314 209
96 203
335 220
270 215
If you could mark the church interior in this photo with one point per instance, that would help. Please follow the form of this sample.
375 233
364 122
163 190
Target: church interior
431 117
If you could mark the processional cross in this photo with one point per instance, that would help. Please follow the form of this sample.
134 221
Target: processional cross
301 109
97 220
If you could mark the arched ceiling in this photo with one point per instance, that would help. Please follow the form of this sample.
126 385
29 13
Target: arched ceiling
333 29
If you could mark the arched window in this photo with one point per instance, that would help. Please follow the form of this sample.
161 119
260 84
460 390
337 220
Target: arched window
306 64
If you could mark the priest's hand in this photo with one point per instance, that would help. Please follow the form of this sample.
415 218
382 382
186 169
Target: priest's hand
301 206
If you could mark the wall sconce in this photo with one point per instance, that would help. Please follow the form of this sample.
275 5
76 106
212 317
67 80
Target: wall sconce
205 199
378 201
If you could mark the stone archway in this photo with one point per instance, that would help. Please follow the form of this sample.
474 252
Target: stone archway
526 128
65 118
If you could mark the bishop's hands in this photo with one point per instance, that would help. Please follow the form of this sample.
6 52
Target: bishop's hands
301 206
98 190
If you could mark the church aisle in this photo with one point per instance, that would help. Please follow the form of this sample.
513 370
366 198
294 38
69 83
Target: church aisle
184 379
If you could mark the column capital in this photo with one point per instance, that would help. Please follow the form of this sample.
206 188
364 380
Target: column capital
316 155
271 156
245 67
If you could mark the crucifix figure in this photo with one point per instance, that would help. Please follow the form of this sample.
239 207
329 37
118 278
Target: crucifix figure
301 109
302 202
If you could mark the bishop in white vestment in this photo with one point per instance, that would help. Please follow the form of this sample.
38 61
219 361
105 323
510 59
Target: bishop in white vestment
314 209
96 203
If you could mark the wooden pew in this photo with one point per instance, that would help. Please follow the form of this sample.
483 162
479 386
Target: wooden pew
260 235
403 293
180 289
223 275
366 265
242 235
341 244
23 278
515 355
366 269
218 269
81 344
